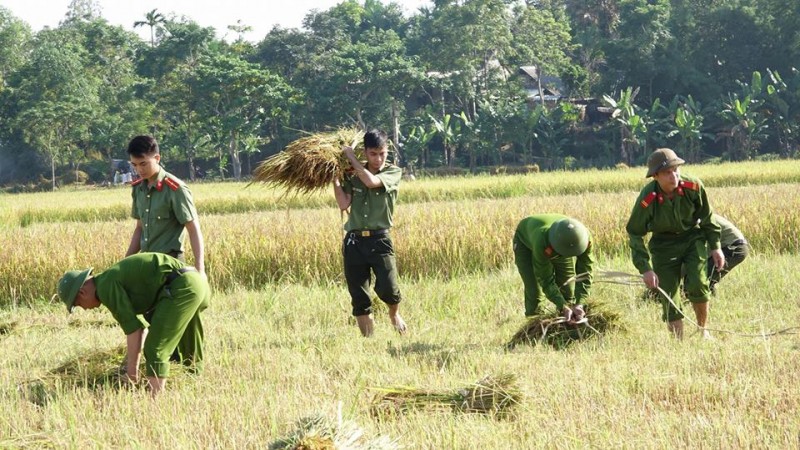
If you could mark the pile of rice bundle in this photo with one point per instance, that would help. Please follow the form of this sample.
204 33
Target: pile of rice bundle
90 371
321 433
495 396
550 329
310 163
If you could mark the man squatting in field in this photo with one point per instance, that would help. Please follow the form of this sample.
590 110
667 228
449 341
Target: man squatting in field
370 193
734 247
152 285
163 207
548 250
675 209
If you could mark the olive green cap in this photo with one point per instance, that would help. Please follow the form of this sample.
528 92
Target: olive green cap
662 159
70 284
568 237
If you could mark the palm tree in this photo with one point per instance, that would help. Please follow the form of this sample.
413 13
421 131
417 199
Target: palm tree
152 19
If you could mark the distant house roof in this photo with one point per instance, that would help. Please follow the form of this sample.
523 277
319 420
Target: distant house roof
551 85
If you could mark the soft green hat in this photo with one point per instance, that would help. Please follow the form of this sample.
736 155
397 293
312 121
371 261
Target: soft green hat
568 237
70 284
662 159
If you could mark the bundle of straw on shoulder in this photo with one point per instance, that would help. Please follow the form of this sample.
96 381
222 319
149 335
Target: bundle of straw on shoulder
311 162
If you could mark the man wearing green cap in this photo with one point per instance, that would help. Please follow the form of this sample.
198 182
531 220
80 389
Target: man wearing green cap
147 290
674 207
548 250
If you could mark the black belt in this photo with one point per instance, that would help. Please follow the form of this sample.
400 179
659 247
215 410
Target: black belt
368 233
176 273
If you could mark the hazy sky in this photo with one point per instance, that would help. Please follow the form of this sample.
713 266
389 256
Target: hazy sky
262 15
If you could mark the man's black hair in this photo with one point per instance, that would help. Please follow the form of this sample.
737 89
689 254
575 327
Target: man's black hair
375 139
143 146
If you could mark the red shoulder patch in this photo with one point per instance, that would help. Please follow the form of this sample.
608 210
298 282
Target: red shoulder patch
137 182
648 199
690 185
174 185
548 251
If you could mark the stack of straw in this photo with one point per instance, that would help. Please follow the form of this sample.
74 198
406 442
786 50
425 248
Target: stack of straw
321 433
551 329
310 163
491 395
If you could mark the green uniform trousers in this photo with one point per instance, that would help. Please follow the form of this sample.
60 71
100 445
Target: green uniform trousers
669 253
564 270
175 324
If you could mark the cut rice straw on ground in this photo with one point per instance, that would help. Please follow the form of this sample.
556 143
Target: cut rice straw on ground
321 433
310 163
496 396
551 329
92 371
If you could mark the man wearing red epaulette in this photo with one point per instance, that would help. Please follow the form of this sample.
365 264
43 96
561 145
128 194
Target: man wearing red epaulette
675 209
548 250
162 206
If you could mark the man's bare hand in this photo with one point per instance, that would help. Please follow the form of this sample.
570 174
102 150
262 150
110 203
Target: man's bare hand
650 279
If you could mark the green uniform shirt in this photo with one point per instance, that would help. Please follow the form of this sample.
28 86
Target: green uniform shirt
728 231
533 233
372 209
130 287
164 208
666 218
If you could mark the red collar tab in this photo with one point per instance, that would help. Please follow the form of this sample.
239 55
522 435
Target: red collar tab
647 200
159 186
174 185
137 182
548 251
660 198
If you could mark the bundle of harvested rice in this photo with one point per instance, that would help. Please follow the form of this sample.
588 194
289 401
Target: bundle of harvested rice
90 371
551 329
491 395
311 162
322 433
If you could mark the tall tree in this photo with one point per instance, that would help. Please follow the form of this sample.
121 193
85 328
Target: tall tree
54 97
152 19
240 97
541 40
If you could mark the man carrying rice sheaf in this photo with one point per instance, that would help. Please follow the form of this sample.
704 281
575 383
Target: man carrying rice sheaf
675 209
548 250
147 291
370 192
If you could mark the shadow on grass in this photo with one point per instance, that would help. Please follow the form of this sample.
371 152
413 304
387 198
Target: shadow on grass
427 353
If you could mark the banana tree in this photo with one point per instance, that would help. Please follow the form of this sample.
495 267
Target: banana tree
783 110
450 132
689 128
746 123
632 124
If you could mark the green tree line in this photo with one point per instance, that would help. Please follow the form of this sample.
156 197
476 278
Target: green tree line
710 78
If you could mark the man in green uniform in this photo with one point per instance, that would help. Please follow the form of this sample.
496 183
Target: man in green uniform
675 209
162 206
548 250
147 290
734 247
370 192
